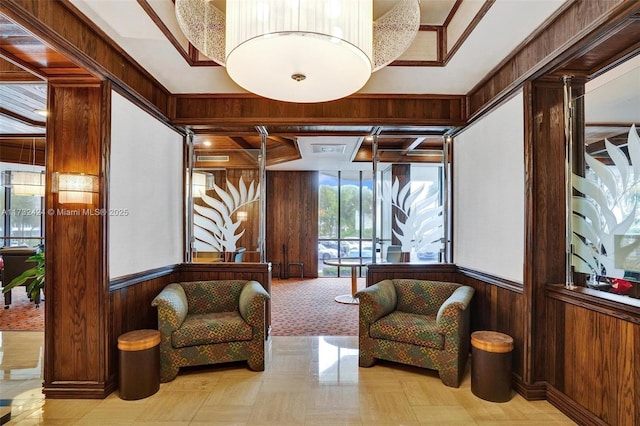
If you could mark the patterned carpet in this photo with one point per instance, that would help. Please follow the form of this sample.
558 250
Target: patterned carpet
22 314
298 308
307 307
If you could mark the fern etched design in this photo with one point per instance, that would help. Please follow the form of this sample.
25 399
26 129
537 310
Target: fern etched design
214 228
607 209
421 227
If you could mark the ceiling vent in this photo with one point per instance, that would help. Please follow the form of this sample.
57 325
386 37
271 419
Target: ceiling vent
328 148
215 158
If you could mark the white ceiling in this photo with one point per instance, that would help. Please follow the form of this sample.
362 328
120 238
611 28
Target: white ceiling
504 27
506 24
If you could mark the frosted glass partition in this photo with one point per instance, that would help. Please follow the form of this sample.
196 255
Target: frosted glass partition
225 205
411 209
488 194
605 221
145 191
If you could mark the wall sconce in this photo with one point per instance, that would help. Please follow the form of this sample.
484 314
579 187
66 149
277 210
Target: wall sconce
242 215
24 183
75 188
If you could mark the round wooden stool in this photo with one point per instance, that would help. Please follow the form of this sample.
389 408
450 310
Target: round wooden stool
139 364
491 365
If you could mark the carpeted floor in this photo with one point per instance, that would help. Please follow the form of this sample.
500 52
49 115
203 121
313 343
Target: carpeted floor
298 308
22 314
307 307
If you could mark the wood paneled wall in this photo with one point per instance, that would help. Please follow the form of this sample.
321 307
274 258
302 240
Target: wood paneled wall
593 359
77 314
377 272
292 220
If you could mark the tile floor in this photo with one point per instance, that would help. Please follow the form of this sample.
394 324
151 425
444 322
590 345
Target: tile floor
308 381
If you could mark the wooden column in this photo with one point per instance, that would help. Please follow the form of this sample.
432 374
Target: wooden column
545 220
76 291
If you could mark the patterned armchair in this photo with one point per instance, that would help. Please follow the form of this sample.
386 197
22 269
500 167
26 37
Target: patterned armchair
209 322
415 322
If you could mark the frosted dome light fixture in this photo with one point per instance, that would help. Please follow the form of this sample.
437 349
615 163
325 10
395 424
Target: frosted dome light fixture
299 50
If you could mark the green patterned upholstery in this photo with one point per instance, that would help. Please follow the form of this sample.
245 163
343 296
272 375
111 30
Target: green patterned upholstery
209 322
416 322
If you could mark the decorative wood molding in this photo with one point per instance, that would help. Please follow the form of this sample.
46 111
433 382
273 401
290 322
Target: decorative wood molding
377 272
491 279
138 277
530 392
572 409
239 109
466 33
621 307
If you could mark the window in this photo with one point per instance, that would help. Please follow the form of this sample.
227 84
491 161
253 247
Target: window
345 218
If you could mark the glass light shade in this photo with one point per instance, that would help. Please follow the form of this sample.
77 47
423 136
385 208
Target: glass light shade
75 188
300 50
25 183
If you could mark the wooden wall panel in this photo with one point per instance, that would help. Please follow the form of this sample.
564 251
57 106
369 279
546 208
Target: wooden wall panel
130 306
392 109
76 338
437 272
292 220
501 307
597 368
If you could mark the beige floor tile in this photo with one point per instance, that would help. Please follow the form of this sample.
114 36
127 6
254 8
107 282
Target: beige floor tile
428 392
172 406
222 414
443 415
308 381
279 408
345 416
235 391
385 407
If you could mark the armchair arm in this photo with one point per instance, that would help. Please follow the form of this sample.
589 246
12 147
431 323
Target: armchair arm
450 313
252 300
377 301
172 308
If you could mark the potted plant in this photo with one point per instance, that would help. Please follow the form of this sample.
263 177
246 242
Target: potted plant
35 274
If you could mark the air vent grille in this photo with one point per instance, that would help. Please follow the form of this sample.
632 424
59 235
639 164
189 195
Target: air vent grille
328 148
214 158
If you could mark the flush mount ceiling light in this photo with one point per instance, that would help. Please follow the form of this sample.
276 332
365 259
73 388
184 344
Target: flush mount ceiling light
299 50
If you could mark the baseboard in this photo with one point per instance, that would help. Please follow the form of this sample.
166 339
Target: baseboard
572 409
78 390
531 392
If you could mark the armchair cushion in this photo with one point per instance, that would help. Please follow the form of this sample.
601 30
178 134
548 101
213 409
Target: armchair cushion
408 328
216 327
